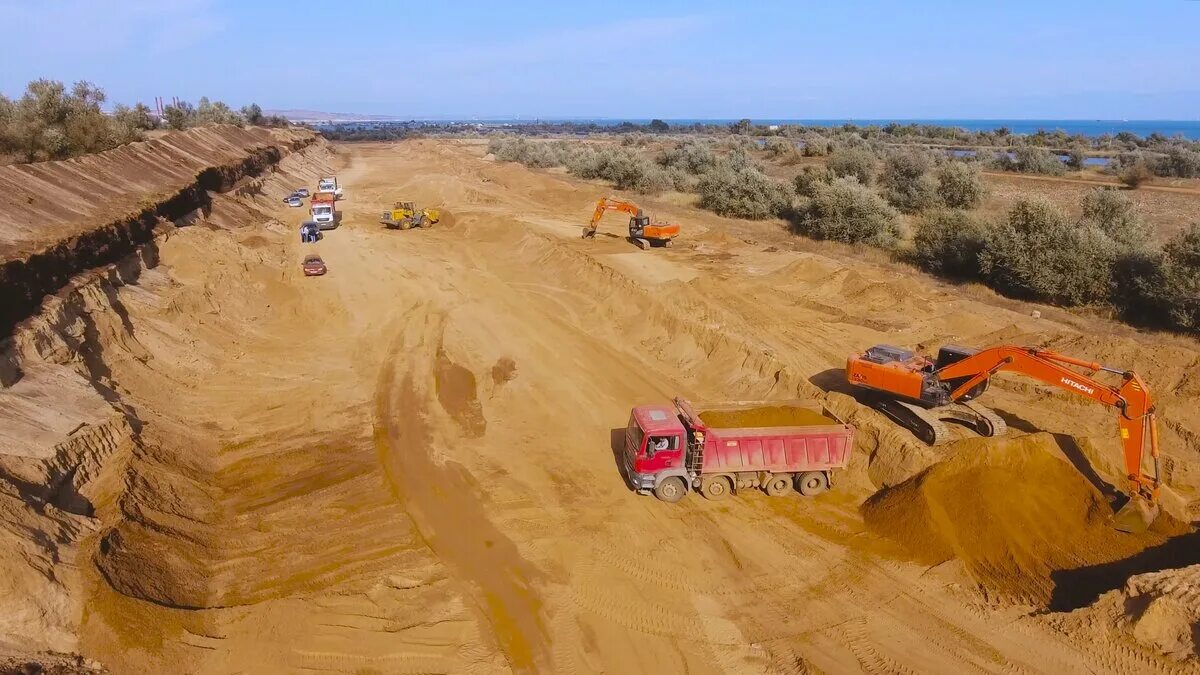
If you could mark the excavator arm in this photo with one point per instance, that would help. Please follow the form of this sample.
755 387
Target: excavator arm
609 204
1135 409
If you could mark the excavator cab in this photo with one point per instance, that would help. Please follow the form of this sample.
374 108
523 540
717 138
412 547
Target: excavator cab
637 225
952 354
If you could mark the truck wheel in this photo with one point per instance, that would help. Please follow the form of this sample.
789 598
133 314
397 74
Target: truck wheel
715 488
778 485
670 490
812 483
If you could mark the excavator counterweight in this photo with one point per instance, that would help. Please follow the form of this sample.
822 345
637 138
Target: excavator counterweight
920 394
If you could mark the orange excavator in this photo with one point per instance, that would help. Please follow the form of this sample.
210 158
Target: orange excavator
642 230
921 395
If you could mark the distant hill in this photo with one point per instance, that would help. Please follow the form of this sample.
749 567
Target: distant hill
318 116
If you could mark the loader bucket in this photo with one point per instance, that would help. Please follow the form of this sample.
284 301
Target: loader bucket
1136 515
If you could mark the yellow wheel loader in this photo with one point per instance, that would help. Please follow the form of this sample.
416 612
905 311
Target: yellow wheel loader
404 215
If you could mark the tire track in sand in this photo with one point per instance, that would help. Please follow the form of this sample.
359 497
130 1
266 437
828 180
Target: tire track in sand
443 498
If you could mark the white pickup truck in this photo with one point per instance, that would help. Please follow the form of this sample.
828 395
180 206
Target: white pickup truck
329 186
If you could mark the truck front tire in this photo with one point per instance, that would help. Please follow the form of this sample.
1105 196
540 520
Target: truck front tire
670 490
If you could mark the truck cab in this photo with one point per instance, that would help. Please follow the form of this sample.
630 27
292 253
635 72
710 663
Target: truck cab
655 445
329 186
323 211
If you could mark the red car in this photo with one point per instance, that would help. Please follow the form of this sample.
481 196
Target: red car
313 266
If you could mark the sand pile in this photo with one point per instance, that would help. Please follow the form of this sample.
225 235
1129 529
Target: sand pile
768 416
1164 609
1013 512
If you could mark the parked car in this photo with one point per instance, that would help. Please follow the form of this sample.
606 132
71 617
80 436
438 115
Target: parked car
294 201
313 266
301 192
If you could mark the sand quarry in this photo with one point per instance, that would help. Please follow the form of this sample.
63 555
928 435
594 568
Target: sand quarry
214 464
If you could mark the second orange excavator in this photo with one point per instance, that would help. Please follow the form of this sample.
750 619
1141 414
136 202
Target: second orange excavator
921 394
642 230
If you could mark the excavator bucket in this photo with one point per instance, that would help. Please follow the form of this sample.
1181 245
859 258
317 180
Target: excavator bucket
1136 515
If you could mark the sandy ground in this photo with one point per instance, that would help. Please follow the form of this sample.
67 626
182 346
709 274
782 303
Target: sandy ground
408 465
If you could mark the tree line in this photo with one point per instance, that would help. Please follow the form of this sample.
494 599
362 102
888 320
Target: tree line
50 121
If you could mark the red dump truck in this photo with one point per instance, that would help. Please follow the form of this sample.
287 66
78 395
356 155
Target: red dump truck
720 449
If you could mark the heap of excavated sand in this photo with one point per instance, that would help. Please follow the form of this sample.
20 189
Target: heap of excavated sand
1164 610
1013 512
767 416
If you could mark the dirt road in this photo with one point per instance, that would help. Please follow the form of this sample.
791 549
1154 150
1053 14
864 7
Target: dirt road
408 465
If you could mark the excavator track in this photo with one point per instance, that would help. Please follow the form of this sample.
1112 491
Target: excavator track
922 422
987 423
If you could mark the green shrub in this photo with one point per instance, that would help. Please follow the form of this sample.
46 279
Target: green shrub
1036 253
905 181
809 178
1133 175
693 156
845 210
50 122
948 243
1076 157
536 154
624 168
742 192
856 162
252 113
1162 288
775 147
129 123
1123 161
137 117
649 178
960 185
177 116
816 145
984 157
735 143
1176 283
1031 159
1179 162
1114 214
681 180
215 112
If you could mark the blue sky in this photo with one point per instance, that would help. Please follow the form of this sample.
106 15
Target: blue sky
623 58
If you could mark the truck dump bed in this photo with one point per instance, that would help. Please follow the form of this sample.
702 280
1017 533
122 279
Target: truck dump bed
777 437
